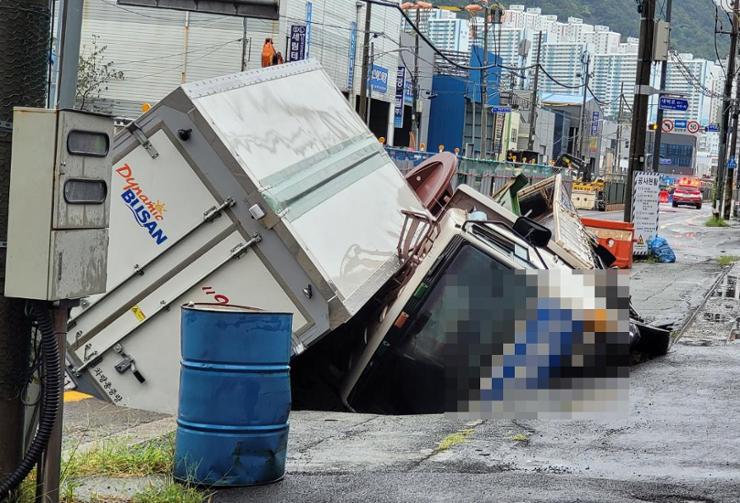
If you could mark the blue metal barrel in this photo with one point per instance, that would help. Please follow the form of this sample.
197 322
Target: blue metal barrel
232 423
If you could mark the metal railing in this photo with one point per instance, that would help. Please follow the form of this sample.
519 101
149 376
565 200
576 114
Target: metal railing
489 176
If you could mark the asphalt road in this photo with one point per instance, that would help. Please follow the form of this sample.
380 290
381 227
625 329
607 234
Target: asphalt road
679 442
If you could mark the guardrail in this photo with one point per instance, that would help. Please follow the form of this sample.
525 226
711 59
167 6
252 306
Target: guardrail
489 176
483 175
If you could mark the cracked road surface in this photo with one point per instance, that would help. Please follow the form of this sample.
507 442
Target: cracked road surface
680 442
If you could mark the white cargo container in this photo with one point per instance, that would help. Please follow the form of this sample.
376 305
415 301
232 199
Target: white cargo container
262 188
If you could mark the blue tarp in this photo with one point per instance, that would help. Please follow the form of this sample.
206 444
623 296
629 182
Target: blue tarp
660 248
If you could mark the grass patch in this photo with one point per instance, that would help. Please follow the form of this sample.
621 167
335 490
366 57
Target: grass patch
716 222
726 260
116 459
172 492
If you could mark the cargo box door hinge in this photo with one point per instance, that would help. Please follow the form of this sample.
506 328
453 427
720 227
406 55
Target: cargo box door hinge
137 133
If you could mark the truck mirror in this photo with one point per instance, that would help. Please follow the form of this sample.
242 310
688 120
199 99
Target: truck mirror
532 232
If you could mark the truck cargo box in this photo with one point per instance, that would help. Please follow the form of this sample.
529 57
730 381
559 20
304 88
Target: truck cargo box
262 188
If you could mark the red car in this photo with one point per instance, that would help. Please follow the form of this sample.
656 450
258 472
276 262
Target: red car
687 195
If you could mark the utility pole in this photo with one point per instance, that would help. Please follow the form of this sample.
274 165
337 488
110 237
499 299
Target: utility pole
25 41
70 32
352 97
415 82
582 126
365 60
370 87
244 44
642 95
535 88
618 160
729 178
724 132
484 90
659 117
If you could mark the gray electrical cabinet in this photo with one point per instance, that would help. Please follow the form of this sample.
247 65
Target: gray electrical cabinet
58 204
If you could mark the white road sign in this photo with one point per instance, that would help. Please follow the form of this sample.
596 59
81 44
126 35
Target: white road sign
645 208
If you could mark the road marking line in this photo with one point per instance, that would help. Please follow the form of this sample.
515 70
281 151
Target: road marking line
75 396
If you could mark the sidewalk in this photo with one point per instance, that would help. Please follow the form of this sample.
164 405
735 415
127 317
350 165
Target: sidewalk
678 444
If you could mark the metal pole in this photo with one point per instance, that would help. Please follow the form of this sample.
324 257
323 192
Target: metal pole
186 42
484 90
24 38
533 106
618 161
69 60
352 97
726 105
244 44
370 87
53 455
729 178
659 117
640 107
365 58
415 82
582 125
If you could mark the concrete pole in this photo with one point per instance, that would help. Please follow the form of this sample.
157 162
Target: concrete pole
365 58
535 87
729 178
415 82
724 132
640 107
484 90
24 38
659 118
70 33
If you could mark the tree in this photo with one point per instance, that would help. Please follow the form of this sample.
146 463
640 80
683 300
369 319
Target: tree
94 75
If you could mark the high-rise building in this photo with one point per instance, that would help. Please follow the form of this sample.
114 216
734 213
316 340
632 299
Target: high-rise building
564 67
696 80
449 34
614 72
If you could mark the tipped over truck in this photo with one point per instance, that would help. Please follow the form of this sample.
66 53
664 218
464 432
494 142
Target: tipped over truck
266 189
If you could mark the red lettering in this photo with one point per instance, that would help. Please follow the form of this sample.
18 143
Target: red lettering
124 171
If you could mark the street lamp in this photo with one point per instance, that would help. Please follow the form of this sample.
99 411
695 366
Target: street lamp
418 5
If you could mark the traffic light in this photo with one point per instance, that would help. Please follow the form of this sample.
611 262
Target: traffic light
653 127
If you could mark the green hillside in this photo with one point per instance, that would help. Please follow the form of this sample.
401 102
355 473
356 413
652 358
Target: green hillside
693 20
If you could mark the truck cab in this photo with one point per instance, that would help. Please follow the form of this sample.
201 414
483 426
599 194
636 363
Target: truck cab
470 281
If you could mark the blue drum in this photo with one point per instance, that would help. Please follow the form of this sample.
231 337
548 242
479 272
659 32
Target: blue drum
232 423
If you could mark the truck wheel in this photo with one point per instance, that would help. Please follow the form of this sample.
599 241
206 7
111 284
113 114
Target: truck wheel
698 206
675 204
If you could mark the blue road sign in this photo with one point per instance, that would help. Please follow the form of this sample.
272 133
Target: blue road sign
500 110
732 163
679 104
680 123
713 128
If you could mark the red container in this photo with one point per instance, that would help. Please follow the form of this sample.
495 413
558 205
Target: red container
616 236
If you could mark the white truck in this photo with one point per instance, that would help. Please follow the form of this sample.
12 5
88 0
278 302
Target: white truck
261 188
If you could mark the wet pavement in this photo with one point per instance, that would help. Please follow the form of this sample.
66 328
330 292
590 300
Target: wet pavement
678 444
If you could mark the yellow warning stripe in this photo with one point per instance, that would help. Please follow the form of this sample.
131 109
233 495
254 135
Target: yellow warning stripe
75 396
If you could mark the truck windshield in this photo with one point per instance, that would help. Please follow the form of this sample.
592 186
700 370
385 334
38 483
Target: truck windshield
460 314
